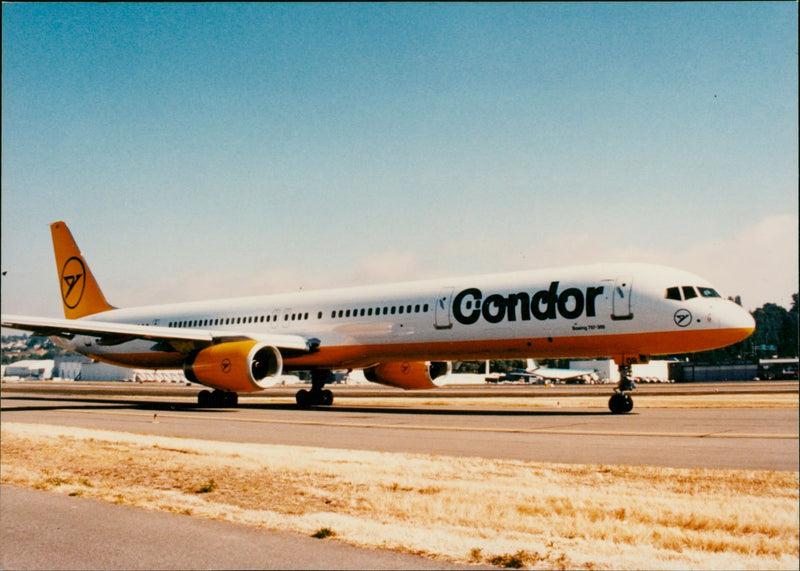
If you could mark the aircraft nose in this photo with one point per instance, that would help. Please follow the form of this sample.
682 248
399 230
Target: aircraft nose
736 317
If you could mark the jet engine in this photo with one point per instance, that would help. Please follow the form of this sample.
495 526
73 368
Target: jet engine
238 366
409 375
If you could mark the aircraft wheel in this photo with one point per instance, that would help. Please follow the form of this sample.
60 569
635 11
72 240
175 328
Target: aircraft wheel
620 403
219 398
204 398
326 398
231 399
303 398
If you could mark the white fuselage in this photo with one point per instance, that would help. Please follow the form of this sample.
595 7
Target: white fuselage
613 310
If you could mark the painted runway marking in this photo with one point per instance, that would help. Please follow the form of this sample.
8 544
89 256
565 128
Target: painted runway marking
556 431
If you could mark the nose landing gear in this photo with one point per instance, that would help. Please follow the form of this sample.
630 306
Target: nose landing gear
621 402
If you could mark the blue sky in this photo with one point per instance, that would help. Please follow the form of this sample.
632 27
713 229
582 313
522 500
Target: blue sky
205 150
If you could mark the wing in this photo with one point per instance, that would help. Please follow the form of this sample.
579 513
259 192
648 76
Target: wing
182 340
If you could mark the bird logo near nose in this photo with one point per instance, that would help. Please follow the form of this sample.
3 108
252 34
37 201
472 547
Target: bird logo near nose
683 317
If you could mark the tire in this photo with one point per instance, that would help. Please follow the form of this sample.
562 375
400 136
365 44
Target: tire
303 398
620 403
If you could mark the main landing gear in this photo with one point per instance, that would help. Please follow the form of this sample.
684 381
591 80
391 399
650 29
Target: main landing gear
621 402
217 399
317 395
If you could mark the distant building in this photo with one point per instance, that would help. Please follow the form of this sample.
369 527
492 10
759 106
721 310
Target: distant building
80 368
769 369
30 370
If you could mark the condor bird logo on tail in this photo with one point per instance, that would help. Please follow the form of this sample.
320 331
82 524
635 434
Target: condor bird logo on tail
72 282
79 290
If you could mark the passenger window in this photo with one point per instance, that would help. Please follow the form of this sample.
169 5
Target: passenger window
688 292
673 293
400 309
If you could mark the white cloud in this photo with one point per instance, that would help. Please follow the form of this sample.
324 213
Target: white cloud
385 267
760 262
198 286
391 266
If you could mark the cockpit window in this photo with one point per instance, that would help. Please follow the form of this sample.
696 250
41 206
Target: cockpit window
708 292
673 293
689 292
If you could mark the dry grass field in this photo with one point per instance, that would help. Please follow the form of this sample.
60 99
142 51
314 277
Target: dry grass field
500 512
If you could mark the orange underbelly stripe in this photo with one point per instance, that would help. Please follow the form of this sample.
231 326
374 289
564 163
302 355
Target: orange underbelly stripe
579 346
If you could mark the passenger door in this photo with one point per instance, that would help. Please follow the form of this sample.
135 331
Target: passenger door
621 301
442 309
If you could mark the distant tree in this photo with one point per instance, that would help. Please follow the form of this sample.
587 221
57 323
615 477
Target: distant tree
789 333
770 328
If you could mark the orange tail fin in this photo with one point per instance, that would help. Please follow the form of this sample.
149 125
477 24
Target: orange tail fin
80 293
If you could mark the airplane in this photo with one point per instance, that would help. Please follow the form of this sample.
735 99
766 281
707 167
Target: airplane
536 373
403 335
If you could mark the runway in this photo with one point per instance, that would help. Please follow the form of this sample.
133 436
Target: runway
737 438
41 530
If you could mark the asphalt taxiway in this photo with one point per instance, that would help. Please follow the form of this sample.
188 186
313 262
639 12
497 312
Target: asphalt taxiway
45 530
736 438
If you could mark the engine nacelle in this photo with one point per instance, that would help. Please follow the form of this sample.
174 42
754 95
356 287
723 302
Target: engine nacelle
409 375
239 366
